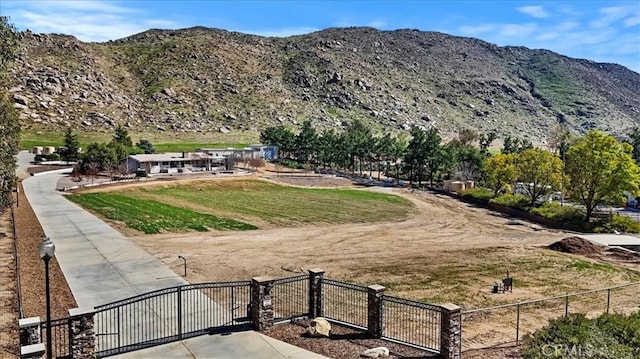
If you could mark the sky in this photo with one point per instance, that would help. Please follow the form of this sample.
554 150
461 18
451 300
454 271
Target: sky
602 31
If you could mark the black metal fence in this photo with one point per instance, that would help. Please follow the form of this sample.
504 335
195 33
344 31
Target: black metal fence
170 314
60 337
345 303
292 298
411 323
511 322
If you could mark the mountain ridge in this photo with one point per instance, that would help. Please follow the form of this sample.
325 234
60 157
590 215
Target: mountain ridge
200 80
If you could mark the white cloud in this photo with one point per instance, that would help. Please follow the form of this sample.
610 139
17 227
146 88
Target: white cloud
284 32
512 30
535 11
476 30
92 21
632 21
378 24
611 14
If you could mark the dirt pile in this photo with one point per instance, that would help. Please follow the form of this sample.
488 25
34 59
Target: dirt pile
577 245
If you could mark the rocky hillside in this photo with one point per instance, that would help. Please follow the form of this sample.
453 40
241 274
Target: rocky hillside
205 80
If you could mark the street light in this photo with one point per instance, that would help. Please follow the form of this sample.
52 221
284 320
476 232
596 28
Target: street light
47 250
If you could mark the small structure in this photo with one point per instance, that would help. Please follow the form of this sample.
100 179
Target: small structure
37 150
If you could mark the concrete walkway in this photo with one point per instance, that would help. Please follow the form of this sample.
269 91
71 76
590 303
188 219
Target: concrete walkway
102 266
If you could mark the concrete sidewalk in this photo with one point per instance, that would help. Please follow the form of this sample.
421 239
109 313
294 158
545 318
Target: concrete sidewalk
225 346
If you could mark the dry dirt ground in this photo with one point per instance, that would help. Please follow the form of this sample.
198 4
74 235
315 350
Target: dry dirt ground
9 336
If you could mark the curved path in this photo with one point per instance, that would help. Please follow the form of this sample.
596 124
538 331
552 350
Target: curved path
99 263
102 266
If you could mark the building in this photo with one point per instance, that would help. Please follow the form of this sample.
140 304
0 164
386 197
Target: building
203 159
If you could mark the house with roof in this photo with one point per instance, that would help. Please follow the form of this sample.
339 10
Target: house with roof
203 159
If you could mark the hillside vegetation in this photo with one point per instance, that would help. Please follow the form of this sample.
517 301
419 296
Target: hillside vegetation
200 81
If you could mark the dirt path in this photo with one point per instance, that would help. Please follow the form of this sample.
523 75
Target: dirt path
9 336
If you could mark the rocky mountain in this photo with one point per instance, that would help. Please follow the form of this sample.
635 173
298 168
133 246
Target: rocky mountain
203 80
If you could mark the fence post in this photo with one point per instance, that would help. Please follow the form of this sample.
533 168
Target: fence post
261 303
608 299
82 334
566 306
30 331
375 320
179 305
315 292
450 331
517 324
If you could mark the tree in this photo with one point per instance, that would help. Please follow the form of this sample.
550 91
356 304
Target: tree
281 137
98 157
306 142
9 121
463 162
485 141
358 140
500 170
540 170
70 150
122 137
600 169
515 145
146 146
634 135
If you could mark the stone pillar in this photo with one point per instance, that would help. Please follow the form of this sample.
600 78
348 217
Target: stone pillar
29 331
315 292
82 337
375 320
32 351
261 303
450 331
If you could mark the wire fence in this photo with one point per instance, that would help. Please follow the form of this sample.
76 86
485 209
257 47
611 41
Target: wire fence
411 323
292 297
17 259
345 303
508 324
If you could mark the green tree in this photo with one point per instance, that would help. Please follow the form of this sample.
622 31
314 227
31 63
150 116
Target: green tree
122 137
9 121
634 135
463 162
282 138
98 157
358 141
71 148
515 145
500 170
146 146
540 170
306 142
485 141
600 169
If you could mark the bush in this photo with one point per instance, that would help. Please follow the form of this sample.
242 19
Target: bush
512 200
608 336
482 194
617 223
565 214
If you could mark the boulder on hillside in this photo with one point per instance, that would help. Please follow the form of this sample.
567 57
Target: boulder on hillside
22 100
319 327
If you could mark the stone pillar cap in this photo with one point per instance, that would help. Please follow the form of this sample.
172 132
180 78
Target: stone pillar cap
376 287
75 312
316 270
31 350
450 307
262 279
29 322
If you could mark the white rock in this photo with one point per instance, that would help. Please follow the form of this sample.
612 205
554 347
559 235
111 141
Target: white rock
379 352
319 327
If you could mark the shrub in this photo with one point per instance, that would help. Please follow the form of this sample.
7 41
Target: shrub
512 200
482 194
617 223
559 213
608 336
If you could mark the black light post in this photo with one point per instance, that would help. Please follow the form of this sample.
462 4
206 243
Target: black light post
47 250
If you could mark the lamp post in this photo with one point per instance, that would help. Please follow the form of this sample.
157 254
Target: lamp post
47 250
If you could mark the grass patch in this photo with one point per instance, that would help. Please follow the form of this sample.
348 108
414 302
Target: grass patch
280 205
192 146
586 265
152 217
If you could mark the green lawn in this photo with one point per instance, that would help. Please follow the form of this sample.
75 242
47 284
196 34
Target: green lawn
204 204
281 205
153 217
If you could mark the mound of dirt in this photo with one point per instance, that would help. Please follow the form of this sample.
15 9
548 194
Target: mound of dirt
623 254
577 245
